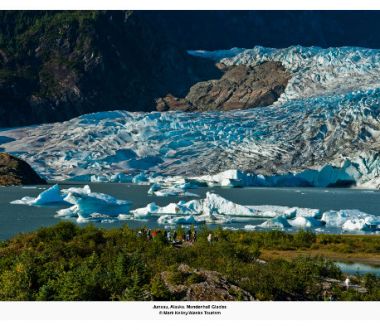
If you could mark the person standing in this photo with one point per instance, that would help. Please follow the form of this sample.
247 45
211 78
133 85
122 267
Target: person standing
209 238
347 282
194 235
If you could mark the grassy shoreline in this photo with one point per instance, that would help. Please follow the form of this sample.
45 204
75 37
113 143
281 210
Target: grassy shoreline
337 247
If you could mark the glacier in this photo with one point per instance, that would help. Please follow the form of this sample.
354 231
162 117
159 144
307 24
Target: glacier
323 131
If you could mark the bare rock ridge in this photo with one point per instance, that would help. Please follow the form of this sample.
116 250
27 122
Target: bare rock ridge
14 171
241 87
189 284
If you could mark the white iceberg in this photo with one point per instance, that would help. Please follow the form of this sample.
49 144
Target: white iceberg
216 208
229 178
71 212
351 220
179 189
306 222
180 220
78 190
280 222
214 204
367 224
250 227
91 205
181 208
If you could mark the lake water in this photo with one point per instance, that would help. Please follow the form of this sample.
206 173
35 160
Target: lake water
20 218
358 268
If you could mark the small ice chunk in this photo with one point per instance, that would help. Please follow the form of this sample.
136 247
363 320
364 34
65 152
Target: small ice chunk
70 212
24 201
250 227
149 210
154 188
84 190
280 222
306 222
179 220
140 178
229 178
178 189
180 208
303 212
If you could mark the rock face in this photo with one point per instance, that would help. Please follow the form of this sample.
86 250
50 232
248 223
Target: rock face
14 171
241 87
202 285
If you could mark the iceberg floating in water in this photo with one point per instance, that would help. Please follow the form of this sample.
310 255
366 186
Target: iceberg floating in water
181 208
229 178
180 220
351 220
280 222
306 222
51 195
214 207
178 189
367 224
93 205
85 204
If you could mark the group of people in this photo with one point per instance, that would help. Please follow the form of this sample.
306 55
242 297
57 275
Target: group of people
170 236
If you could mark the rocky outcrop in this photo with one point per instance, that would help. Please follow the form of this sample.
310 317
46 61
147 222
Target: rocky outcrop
202 285
14 171
241 87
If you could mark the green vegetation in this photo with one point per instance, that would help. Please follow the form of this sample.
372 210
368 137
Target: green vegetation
68 262
25 28
37 48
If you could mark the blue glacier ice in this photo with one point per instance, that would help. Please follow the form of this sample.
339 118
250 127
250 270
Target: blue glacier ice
323 131
51 195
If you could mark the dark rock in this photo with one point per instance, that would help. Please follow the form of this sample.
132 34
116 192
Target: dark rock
14 171
170 102
240 87
202 285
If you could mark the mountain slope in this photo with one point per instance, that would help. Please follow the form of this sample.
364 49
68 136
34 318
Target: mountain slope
58 65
